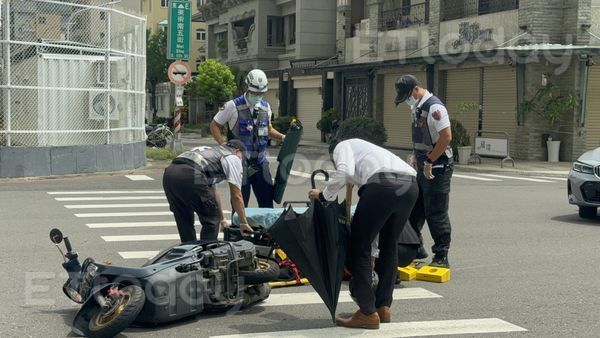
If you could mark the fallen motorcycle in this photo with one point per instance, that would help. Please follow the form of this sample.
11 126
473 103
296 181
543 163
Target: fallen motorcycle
183 280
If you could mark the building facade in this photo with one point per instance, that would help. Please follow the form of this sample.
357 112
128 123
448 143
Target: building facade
277 37
485 58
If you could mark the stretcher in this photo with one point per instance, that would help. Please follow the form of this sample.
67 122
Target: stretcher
262 219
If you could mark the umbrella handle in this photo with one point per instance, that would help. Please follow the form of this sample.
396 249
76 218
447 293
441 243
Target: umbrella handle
318 171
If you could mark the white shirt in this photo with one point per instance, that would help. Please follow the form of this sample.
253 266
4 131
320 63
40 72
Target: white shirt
232 166
229 114
437 119
357 160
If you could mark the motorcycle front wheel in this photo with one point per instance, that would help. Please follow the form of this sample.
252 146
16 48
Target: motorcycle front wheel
123 311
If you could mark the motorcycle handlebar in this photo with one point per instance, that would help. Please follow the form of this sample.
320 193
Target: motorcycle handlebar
68 244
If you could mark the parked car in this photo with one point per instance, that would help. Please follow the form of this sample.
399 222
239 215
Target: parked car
584 183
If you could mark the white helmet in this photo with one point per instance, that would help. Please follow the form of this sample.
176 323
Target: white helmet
257 81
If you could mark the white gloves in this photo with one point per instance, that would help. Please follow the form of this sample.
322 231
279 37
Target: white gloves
428 170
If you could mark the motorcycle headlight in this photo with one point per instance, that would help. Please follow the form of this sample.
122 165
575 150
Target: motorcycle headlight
72 293
583 168
88 279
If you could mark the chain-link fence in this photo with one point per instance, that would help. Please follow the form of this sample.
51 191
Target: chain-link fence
72 73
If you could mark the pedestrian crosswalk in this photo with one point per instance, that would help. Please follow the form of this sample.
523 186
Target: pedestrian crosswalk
401 329
482 177
105 207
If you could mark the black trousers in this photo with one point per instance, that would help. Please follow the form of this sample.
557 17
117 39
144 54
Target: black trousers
262 185
432 206
187 191
382 208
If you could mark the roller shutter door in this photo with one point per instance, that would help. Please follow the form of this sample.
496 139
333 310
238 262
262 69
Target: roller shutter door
463 85
592 119
309 112
272 96
397 120
499 101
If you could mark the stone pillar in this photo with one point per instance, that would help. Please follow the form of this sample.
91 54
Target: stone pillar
375 8
435 15
343 27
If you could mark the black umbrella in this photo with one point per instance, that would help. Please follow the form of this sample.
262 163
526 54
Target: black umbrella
286 159
316 242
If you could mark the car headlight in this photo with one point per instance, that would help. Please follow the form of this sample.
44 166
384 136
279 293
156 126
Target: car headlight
583 168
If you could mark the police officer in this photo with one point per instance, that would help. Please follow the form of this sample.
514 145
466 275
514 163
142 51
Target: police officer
387 191
249 120
189 184
431 136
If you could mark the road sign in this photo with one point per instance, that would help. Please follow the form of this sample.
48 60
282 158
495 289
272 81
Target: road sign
179 34
179 72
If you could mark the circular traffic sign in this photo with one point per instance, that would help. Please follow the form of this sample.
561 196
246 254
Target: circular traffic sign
179 72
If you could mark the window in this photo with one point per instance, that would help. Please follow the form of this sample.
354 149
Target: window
164 3
200 3
291 29
275 32
201 34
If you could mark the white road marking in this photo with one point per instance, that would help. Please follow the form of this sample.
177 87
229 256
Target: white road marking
109 206
101 192
402 329
142 238
304 298
117 198
476 178
130 214
563 179
130 225
516 178
139 178
306 175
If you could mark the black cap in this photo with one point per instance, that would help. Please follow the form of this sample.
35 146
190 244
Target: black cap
236 144
404 86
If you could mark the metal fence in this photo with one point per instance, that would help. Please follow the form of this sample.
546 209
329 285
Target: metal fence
72 73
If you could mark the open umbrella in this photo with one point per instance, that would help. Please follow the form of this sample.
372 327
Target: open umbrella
316 242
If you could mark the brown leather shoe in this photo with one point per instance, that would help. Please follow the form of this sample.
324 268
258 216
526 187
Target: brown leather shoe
360 321
385 314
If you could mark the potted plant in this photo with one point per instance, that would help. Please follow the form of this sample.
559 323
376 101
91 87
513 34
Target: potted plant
461 142
551 106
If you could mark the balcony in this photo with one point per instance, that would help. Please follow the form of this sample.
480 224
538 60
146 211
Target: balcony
405 16
458 9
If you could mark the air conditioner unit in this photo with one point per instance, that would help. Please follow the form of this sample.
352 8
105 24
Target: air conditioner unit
98 105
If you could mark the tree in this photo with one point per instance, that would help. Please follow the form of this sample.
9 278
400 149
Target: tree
156 62
215 82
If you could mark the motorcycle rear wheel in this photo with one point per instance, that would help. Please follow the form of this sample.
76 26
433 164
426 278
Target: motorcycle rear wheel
266 271
120 316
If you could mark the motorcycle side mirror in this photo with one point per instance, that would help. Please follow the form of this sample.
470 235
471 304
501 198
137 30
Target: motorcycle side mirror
56 236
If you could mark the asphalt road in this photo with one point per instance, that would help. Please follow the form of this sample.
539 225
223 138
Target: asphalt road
523 263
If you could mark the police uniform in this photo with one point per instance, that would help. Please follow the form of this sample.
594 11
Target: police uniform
250 124
387 191
429 117
188 183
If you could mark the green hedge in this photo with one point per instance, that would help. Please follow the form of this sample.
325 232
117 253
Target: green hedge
365 128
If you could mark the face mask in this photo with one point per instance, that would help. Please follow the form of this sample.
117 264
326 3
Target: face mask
411 101
253 100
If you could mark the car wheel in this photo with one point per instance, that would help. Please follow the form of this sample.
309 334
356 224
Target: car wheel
587 212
